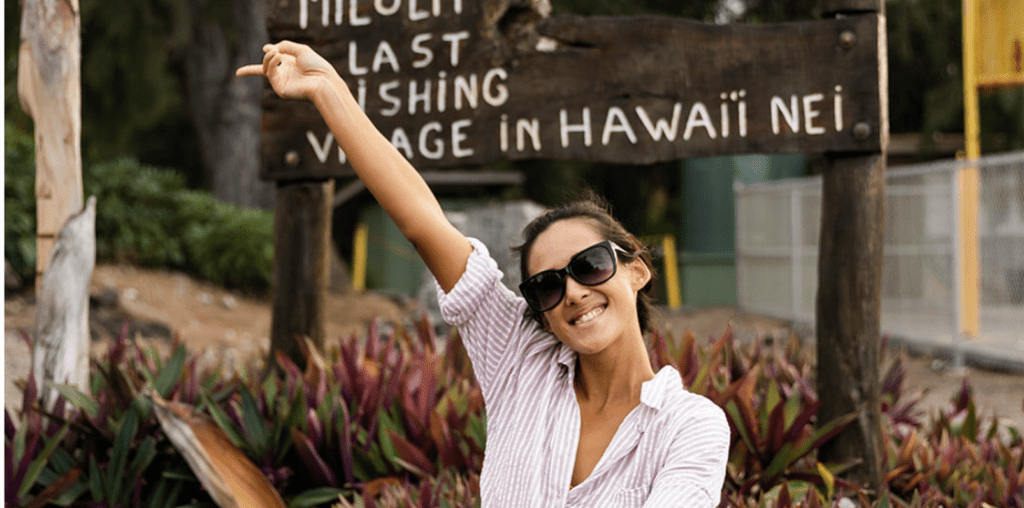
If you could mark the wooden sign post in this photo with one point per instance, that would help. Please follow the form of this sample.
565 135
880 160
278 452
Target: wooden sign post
460 83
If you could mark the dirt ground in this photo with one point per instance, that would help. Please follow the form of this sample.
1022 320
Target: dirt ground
228 327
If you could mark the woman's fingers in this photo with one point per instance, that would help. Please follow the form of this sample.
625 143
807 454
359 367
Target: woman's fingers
250 70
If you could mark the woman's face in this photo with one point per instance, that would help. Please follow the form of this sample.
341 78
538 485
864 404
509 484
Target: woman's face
589 318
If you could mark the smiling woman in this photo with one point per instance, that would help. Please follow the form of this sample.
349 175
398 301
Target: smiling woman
576 415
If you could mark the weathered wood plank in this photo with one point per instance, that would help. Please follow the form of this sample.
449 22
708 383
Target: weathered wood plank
60 351
302 225
516 85
49 68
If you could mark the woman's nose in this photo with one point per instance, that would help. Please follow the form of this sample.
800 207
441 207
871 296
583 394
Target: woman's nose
574 291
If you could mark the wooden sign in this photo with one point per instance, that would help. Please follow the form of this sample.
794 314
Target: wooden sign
455 83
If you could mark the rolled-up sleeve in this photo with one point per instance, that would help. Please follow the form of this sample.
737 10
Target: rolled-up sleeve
489 316
694 470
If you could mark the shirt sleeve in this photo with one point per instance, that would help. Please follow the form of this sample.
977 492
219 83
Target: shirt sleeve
490 318
695 468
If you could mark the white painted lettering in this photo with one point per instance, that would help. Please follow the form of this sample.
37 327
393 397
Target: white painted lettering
415 14
442 91
458 137
303 14
438 150
723 110
837 108
616 122
361 93
526 127
426 54
353 14
453 39
384 90
500 94
400 140
661 127
353 66
385 55
699 117
743 114
466 88
339 12
503 134
325 14
323 150
417 97
810 114
791 115
378 5
566 127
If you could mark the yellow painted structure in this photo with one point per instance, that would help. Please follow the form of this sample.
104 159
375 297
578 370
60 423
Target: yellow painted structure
999 51
360 244
968 270
993 40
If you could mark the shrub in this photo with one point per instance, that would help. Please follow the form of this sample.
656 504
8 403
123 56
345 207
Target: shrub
145 216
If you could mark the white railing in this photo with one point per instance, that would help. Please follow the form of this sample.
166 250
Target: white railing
777 230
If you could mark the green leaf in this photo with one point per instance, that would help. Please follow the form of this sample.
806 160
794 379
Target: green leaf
41 461
78 399
315 497
170 373
119 453
255 426
95 481
222 420
143 457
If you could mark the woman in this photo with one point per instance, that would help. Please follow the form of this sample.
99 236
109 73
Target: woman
575 414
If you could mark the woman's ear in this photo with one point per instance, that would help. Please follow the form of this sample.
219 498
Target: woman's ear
640 274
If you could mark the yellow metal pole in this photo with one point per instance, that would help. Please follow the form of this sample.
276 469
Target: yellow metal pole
359 247
668 244
968 182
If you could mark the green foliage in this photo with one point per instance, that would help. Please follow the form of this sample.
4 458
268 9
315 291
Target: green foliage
145 216
235 244
136 213
398 420
19 201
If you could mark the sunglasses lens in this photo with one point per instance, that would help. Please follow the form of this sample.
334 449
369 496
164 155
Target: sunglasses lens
593 266
544 290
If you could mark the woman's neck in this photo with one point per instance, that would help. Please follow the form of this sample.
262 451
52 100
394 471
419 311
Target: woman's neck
615 375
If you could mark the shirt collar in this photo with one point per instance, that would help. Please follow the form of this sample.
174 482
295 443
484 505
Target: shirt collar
654 392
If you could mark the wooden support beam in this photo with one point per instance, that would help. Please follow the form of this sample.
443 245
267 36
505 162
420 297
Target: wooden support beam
848 308
848 311
302 232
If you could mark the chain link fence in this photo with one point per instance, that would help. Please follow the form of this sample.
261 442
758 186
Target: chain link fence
777 230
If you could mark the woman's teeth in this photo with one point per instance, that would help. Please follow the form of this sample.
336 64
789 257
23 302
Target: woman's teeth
588 316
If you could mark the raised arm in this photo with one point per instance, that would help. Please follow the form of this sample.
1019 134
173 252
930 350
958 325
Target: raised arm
297 72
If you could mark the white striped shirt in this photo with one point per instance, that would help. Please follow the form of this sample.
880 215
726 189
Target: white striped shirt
671 450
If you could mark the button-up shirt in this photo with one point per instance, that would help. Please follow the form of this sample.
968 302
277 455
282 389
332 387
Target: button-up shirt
670 450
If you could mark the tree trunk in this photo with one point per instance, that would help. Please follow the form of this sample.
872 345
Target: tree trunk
49 88
60 353
225 110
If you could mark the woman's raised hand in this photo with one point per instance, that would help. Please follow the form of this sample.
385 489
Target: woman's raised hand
294 70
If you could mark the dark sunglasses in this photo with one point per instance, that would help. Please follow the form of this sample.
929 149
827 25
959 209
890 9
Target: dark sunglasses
590 267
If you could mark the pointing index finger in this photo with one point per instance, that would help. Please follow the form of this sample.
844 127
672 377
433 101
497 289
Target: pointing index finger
250 70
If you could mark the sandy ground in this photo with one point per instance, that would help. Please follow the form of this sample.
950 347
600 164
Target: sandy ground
230 327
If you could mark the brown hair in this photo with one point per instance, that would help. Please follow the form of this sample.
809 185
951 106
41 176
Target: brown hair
595 209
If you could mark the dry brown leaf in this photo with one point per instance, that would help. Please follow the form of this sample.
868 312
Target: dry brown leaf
232 480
